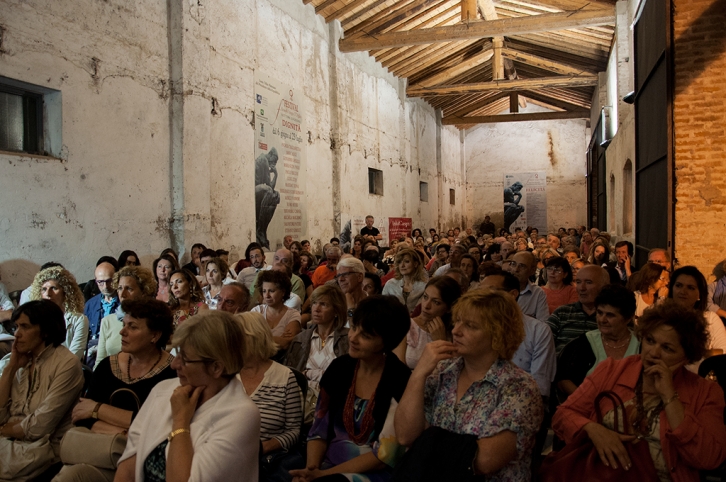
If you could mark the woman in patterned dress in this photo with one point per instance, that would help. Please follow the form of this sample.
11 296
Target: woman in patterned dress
185 295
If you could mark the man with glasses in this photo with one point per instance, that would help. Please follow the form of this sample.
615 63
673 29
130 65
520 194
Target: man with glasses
661 257
101 305
532 299
326 272
455 253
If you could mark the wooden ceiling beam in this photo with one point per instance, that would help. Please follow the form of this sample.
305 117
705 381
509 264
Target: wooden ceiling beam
505 85
550 101
537 116
371 28
543 63
456 70
476 30
341 12
351 7
477 105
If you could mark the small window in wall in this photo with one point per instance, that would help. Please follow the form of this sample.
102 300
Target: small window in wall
452 196
423 189
30 118
375 181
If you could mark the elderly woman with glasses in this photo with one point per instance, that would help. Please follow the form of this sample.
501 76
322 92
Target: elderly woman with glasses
202 425
559 288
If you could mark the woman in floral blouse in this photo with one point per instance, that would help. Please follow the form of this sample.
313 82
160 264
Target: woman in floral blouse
470 386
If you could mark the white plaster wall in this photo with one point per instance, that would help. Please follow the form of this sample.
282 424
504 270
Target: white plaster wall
556 147
147 165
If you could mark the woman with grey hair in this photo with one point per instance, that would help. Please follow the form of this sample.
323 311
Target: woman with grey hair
202 425
349 274
278 397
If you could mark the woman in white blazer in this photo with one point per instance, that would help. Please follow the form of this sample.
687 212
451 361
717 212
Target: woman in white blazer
201 426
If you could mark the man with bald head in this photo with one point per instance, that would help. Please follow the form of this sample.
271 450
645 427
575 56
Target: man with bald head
532 299
101 305
570 321
233 298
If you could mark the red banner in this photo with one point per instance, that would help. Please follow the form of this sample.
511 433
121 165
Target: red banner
398 227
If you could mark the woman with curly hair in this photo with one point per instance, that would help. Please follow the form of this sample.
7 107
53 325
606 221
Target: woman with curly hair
186 298
284 322
472 387
131 283
59 286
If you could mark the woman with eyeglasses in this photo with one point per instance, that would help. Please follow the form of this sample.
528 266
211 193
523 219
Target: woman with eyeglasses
202 425
559 288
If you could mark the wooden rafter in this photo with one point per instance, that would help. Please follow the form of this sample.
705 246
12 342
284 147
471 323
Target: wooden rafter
537 116
478 105
542 63
480 29
456 70
505 85
551 100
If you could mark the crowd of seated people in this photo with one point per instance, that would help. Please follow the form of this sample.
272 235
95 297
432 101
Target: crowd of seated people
292 365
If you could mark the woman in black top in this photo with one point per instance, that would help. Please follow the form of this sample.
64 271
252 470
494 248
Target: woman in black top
121 383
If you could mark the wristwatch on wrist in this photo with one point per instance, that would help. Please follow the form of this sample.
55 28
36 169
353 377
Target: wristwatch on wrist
94 414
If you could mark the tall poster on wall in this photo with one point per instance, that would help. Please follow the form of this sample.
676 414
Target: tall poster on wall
280 162
525 200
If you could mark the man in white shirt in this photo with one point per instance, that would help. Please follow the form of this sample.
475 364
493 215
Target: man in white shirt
532 299
247 276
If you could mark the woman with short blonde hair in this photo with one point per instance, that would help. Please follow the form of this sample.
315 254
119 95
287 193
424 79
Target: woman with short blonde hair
58 285
410 281
274 389
488 330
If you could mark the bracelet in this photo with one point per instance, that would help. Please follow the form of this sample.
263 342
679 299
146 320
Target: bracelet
177 432
94 413
674 397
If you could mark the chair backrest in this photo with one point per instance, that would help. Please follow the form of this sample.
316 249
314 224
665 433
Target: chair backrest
302 382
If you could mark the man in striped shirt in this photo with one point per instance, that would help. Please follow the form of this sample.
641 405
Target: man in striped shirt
570 321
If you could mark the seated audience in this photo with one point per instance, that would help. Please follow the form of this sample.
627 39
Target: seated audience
570 321
599 254
661 257
543 256
313 349
475 252
442 254
108 407
25 294
646 284
128 258
689 289
559 288
571 255
202 425
576 265
410 278
350 279
470 386
6 304
163 267
614 312
536 354
326 272
278 397
623 257
41 382
100 306
234 298
59 286
307 264
372 284
458 275
194 266
716 301
454 260
585 244
434 322
678 413
352 434
284 322
131 283
532 300
186 298
216 272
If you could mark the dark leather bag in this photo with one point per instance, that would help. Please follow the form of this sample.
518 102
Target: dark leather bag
436 455
579 459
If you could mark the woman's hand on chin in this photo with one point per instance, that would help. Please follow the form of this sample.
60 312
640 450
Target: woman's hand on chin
662 376
184 402
433 353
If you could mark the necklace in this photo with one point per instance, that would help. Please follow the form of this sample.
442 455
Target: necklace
644 422
128 368
615 347
367 422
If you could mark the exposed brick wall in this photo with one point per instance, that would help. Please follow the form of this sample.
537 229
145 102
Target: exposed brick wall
700 131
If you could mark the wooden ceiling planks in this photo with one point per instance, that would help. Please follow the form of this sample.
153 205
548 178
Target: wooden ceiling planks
552 68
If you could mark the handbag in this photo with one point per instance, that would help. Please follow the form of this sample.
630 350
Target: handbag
82 446
579 459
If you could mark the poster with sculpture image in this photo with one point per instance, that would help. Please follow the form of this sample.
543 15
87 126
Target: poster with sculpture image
280 162
525 200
